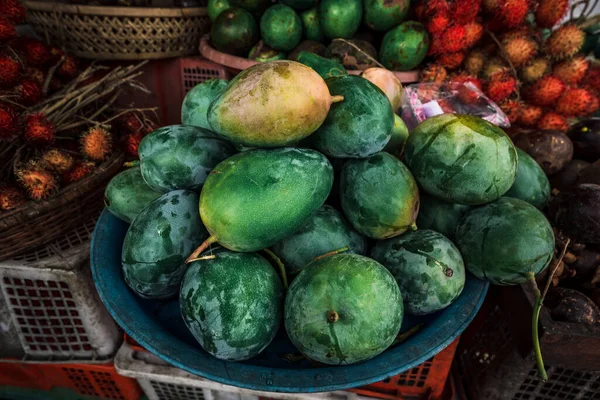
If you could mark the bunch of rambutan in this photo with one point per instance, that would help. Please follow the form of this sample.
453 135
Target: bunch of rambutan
538 78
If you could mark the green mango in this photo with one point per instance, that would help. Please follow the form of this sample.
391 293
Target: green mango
232 304
325 231
343 309
195 104
504 241
281 27
234 32
360 125
300 4
404 47
272 104
379 196
256 198
383 15
398 137
126 195
311 26
324 66
180 157
308 45
461 158
340 18
157 242
216 7
255 7
440 216
531 183
263 53
428 268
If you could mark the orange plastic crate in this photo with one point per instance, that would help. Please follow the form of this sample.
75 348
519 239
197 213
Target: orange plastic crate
195 70
100 380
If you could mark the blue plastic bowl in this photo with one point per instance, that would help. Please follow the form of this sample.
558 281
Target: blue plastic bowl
158 326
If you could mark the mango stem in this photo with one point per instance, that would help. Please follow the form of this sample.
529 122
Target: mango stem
280 265
337 98
212 239
130 164
332 253
333 316
534 329
208 257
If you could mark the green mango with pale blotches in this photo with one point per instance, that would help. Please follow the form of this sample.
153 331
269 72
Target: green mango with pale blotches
323 66
195 104
360 125
232 304
383 15
343 309
234 31
531 183
428 268
404 47
439 215
299 4
281 27
126 195
216 7
461 158
311 27
272 104
325 231
256 198
379 196
340 18
505 241
157 243
180 157
399 134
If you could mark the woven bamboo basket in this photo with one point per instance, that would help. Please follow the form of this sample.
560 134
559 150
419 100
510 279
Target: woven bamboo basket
119 33
35 224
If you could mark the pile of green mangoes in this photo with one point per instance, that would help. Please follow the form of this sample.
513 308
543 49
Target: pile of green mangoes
280 178
351 29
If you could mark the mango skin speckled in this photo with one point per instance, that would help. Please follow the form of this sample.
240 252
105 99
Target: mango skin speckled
461 159
531 183
232 304
439 215
259 197
383 15
180 157
272 104
326 230
126 195
158 242
311 28
340 18
359 126
281 27
379 196
505 240
195 104
427 266
404 47
365 297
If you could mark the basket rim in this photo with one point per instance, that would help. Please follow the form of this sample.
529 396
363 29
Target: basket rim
115 11
32 208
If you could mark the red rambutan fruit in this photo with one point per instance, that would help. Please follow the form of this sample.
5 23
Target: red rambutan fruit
38 182
433 7
434 73
68 69
8 31
435 46
29 91
565 42
510 13
38 130
12 10
545 91
575 102
451 60
10 125
129 123
474 62
57 160
10 69
466 94
535 70
36 75
511 109
571 71
454 39
57 54
132 142
529 114
465 11
519 50
35 53
553 121
80 170
494 66
501 86
473 33
438 24
550 12
11 197
489 6
96 144
464 78
592 78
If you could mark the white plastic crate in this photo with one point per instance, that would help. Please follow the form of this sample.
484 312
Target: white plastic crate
53 304
162 381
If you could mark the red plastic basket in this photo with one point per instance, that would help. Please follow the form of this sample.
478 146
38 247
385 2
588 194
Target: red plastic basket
99 380
195 70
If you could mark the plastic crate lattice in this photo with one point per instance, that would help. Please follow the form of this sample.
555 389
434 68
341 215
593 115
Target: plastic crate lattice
169 391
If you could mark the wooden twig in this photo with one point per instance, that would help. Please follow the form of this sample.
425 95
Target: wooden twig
505 56
51 72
